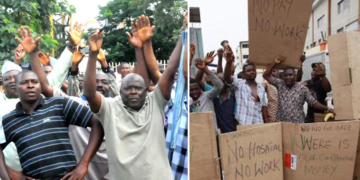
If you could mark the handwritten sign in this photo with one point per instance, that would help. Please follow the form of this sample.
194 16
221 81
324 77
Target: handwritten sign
320 150
204 160
254 153
278 27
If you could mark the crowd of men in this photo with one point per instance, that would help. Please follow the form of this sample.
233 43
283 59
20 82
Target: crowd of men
237 99
58 124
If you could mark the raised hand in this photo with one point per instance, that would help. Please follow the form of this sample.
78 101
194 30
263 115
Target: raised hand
302 58
279 59
229 56
200 64
185 23
134 40
28 43
44 59
77 57
96 40
192 49
19 51
220 52
209 58
74 34
145 31
101 57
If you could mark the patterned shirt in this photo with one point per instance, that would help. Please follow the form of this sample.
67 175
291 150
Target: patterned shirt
42 138
272 95
248 111
291 101
179 157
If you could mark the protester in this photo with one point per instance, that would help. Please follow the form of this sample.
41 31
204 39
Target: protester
292 95
135 116
122 70
318 85
250 96
272 96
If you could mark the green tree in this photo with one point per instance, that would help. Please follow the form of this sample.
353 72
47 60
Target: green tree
166 15
32 13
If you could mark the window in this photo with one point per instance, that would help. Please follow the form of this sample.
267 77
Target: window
245 46
321 21
342 5
340 30
245 56
352 26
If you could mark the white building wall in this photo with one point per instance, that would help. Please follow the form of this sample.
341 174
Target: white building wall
347 19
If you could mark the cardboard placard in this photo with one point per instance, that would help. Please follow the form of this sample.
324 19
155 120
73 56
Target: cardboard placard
345 74
320 150
278 27
254 153
204 160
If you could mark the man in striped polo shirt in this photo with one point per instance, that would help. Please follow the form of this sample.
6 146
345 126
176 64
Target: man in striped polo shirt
39 129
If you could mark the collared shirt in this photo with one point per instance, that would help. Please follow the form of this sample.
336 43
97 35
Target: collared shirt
42 138
248 111
291 101
179 159
272 95
135 140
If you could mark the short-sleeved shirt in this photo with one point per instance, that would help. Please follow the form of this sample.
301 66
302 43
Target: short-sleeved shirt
248 111
42 138
291 101
135 140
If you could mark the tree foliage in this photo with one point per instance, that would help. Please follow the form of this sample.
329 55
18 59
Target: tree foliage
166 15
32 13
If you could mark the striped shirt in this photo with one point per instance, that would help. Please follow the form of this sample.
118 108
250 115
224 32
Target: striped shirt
42 138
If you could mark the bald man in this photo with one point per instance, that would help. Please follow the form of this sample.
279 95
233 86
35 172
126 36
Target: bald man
133 124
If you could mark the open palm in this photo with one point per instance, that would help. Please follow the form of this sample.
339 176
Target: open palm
75 33
134 40
28 42
144 30
95 41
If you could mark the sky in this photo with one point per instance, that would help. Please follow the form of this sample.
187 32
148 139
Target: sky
86 9
222 20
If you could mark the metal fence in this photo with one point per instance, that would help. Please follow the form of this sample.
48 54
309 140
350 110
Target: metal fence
113 65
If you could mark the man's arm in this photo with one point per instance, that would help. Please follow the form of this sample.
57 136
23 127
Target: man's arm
95 140
166 81
59 74
299 73
3 172
199 79
185 63
220 53
145 33
93 97
228 68
265 114
218 85
326 84
141 68
19 51
268 72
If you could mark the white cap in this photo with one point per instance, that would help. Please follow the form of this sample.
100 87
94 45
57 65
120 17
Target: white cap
10 66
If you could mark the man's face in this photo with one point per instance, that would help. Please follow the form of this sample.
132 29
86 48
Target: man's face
195 91
250 72
102 84
9 84
47 70
289 77
124 70
313 74
133 91
81 83
28 87
275 73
